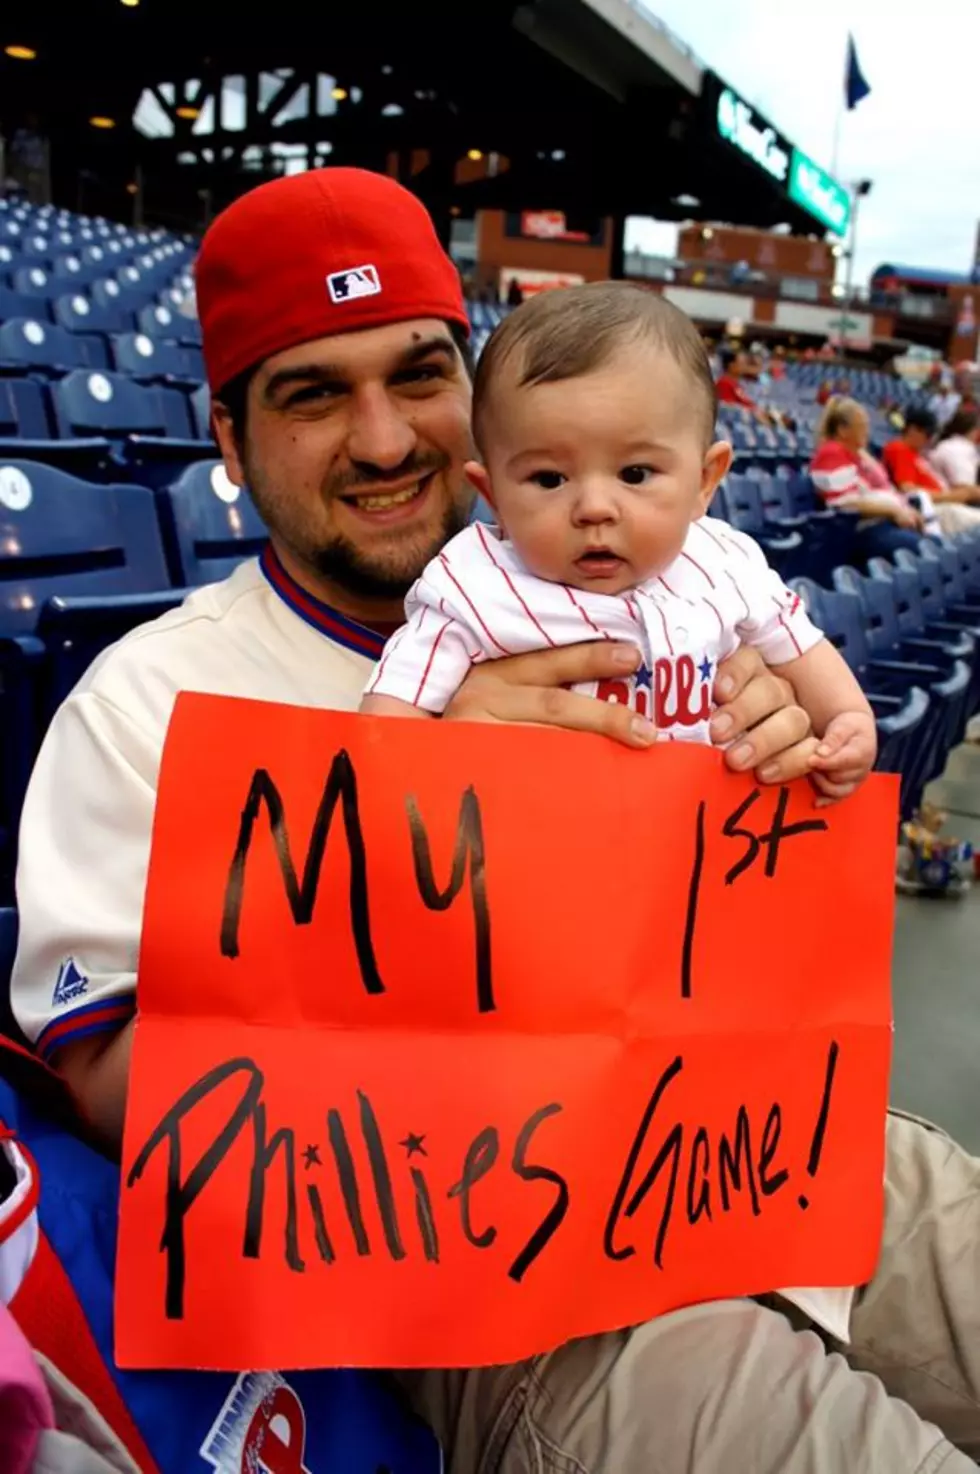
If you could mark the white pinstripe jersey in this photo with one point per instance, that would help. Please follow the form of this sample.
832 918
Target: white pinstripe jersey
476 601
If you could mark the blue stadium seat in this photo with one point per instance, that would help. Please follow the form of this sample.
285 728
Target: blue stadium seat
952 681
8 951
958 627
783 547
34 281
79 315
26 344
18 304
8 947
208 524
159 322
201 412
71 272
38 244
66 537
27 431
149 359
80 564
106 292
149 426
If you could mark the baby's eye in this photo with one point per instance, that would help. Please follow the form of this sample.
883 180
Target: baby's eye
636 475
547 480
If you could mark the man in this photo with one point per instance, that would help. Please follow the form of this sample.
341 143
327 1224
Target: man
905 461
334 336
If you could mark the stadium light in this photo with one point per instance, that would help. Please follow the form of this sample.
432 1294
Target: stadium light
100 122
339 94
475 154
21 53
130 4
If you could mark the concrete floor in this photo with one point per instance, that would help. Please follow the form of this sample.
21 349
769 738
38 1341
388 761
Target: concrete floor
936 1064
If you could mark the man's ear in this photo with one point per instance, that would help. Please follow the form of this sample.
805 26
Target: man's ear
717 464
479 477
224 434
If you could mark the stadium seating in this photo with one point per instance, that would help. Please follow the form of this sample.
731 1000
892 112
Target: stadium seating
8 948
208 525
27 344
907 734
149 427
82 563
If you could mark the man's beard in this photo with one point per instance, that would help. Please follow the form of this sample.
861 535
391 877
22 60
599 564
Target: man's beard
387 574
386 577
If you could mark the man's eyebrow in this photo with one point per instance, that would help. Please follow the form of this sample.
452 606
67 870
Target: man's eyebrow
328 373
438 343
303 373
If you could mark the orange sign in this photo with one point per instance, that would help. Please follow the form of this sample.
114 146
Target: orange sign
456 1042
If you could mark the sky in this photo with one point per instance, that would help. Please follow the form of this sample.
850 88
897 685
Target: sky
915 136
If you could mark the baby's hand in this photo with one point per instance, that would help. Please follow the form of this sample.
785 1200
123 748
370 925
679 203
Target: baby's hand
845 756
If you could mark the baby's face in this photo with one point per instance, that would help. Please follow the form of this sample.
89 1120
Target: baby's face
596 480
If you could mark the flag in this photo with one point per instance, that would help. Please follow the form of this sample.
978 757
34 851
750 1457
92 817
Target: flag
855 83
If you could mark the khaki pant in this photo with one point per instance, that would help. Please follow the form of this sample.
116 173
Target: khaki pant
956 517
736 1387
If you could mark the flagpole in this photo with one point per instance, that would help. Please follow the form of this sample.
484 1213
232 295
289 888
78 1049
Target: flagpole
835 159
841 108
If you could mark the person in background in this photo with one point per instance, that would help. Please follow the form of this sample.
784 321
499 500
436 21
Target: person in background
515 294
941 398
911 472
730 389
953 392
849 479
956 455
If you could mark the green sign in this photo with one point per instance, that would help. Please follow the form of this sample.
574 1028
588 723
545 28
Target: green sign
814 189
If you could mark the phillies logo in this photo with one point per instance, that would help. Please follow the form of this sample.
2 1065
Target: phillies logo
676 693
261 1429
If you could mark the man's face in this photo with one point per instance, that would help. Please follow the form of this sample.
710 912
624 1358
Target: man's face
917 439
354 453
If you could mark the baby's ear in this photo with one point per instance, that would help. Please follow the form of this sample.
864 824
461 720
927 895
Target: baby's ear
717 464
479 478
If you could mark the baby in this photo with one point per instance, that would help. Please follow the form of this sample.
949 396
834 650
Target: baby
594 413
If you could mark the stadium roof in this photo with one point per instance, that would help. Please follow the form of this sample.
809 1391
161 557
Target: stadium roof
923 275
589 106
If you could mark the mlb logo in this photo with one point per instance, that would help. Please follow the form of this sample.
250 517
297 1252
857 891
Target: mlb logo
356 281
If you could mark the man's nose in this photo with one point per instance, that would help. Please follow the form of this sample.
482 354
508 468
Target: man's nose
379 435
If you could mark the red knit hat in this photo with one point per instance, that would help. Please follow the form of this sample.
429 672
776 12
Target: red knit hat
328 251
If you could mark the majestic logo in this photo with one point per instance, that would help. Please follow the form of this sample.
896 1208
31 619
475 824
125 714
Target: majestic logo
356 281
71 984
261 1429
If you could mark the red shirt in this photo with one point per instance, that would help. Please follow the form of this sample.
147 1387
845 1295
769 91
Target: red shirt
841 476
907 468
730 391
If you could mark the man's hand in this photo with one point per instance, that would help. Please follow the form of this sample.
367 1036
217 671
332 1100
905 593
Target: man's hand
759 720
845 755
531 688
758 705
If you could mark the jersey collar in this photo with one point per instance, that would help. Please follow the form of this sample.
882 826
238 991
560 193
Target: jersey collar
361 638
